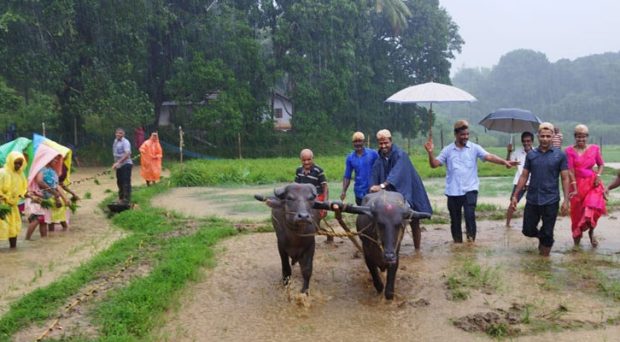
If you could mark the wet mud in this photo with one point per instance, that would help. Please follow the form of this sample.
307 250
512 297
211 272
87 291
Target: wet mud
39 262
242 297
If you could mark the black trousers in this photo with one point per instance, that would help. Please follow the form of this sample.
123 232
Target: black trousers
457 205
533 214
123 181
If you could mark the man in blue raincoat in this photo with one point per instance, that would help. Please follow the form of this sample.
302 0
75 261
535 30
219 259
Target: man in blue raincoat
393 171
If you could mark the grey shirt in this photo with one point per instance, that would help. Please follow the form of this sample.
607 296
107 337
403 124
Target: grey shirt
119 149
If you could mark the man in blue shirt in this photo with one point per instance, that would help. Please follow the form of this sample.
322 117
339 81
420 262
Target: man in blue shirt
360 161
393 171
121 150
462 183
543 165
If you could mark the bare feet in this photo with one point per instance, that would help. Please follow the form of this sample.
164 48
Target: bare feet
545 251
577 240
593 240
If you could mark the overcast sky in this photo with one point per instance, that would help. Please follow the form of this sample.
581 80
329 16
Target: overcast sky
557 28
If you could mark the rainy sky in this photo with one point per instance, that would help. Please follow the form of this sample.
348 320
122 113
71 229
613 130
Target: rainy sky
557 28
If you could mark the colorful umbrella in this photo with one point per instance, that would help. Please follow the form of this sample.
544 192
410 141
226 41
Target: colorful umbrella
22 145
64 151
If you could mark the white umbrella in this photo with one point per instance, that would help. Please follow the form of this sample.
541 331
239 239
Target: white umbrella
431 92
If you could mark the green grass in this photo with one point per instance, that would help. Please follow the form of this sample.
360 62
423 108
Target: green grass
278 170
583 272
470 275
135 310
128 313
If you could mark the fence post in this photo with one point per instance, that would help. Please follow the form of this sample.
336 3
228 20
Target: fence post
239 144
180 144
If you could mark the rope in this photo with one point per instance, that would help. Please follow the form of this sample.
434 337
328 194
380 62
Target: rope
102 173
84 296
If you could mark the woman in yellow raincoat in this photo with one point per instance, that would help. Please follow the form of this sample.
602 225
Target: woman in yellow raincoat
150 159
13 187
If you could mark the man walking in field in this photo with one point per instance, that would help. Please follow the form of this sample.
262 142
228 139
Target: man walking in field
543 165
394 171
518 155
359 161
462 183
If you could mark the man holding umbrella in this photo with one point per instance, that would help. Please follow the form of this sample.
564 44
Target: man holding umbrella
462 183
518 155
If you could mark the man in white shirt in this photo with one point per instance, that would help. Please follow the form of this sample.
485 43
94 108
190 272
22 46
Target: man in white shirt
518 155
121 150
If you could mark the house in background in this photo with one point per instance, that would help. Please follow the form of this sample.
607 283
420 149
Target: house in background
169 110
282 109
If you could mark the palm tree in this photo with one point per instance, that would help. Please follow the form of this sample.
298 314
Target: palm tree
395 11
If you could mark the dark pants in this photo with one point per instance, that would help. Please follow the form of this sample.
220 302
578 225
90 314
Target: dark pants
466 202
123 181
533 214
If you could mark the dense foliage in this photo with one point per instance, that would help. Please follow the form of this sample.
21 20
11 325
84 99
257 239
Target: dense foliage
565 92
88 66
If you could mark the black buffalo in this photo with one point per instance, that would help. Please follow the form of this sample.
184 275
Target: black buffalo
381 230
295 222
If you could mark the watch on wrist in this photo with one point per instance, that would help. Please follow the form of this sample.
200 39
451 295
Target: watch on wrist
382 185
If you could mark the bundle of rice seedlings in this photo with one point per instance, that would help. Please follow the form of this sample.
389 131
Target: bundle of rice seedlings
73 206
47 203
5 209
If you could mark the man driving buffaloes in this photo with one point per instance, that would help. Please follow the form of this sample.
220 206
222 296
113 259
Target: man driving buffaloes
393 171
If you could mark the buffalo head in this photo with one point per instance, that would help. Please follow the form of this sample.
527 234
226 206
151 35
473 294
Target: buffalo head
297 201
388 211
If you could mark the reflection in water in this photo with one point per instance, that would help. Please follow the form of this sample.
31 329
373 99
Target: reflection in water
242 298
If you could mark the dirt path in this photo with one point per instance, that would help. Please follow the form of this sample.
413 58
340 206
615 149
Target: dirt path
39 262
242 299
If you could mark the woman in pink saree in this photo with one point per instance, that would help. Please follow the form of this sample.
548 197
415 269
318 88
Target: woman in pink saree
587 203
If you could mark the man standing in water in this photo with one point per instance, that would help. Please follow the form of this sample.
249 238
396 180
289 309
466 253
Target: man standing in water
462 183
393 171
359 161
519 155
121 150
543 166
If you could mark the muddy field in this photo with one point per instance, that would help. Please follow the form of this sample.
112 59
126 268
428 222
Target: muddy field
39 262
502 287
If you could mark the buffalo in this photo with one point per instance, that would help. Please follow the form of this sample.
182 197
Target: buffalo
381 229
295 222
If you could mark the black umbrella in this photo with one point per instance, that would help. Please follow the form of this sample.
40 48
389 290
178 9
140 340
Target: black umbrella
511 120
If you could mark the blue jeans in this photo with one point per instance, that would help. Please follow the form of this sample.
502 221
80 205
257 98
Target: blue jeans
467 203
